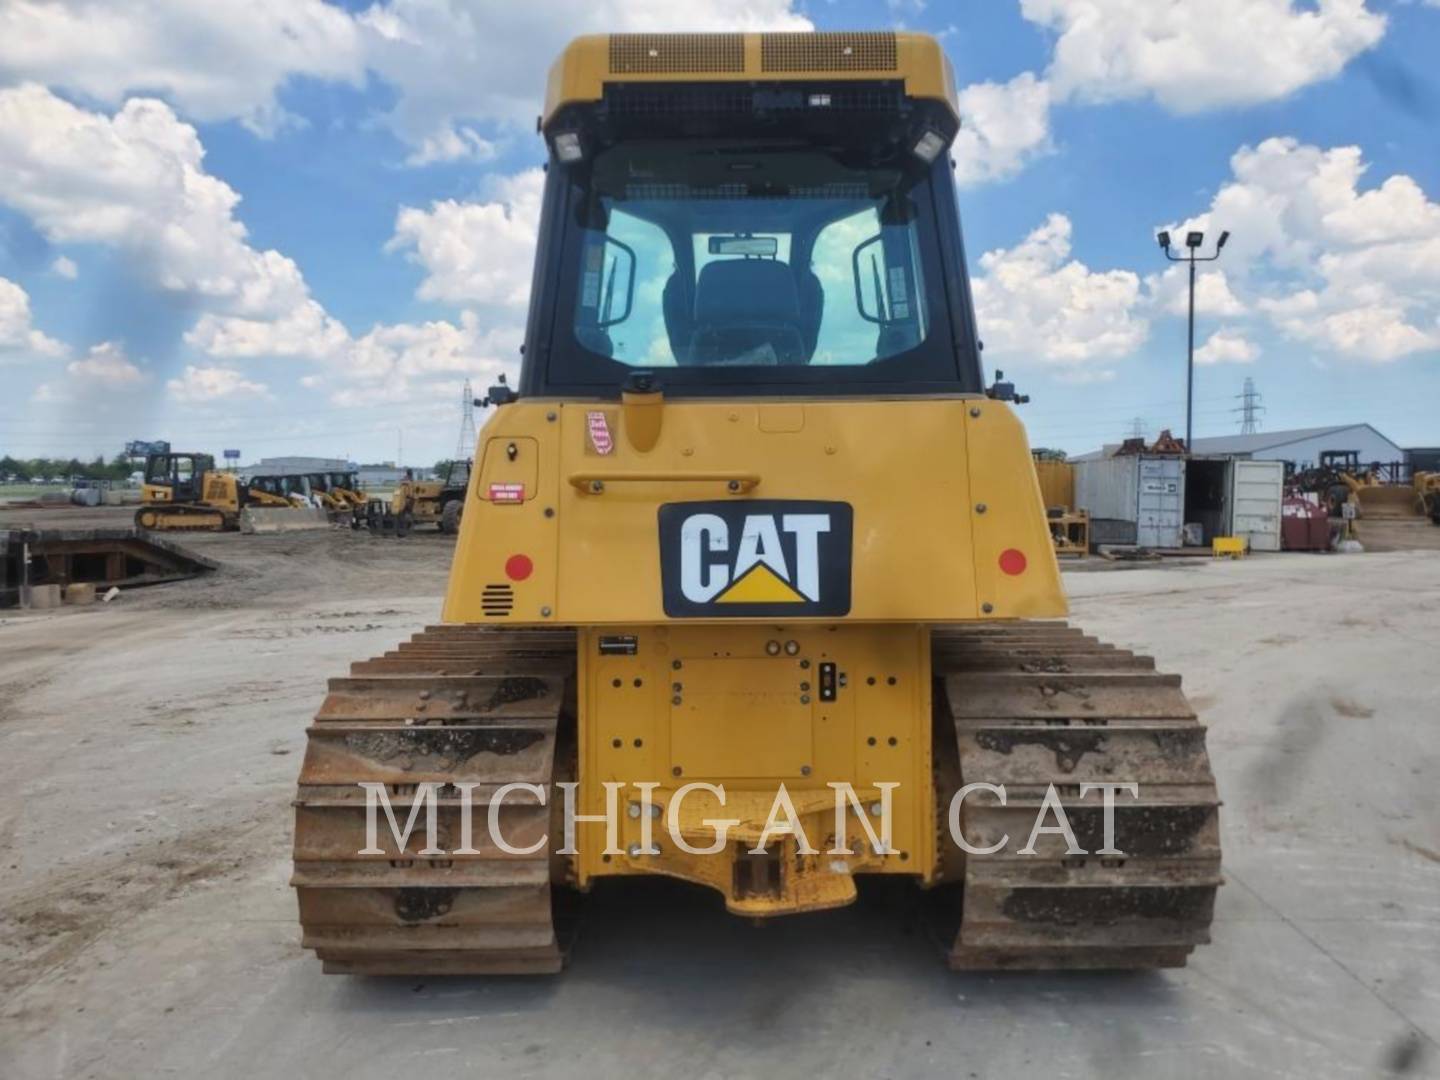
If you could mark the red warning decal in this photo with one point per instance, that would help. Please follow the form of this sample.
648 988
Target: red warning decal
507 493
599 431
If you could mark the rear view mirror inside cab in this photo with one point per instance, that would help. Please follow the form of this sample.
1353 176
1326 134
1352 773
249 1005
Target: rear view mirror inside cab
765 247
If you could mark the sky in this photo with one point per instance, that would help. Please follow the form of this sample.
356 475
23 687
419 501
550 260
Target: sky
296 227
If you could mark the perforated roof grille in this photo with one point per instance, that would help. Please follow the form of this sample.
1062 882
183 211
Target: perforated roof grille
828 52
638 99
638 54
662 192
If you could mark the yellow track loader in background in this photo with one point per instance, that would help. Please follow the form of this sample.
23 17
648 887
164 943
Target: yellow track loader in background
751 522
186 492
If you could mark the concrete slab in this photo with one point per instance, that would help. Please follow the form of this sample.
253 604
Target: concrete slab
80 592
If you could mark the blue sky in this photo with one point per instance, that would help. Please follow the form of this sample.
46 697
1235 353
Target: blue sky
289 226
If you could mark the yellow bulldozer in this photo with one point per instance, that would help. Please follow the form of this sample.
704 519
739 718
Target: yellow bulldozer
754 587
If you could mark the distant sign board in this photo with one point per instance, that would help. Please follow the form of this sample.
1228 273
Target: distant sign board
139 448
232 455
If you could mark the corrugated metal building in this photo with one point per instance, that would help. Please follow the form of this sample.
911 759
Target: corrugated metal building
1299 446
384 475
1424 458
1302 446
292 466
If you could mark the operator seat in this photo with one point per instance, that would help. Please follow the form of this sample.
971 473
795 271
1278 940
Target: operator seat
679 314
812 307
747 312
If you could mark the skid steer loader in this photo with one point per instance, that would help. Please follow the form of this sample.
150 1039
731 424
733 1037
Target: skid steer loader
753 574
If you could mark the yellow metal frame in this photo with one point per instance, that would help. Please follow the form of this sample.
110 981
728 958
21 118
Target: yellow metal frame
589 62
712 704
1230 547
1071 533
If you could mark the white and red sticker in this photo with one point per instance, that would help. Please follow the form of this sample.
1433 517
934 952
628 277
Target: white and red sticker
507 493
599 428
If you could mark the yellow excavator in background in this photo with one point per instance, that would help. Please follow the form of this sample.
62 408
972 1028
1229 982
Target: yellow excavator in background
752 523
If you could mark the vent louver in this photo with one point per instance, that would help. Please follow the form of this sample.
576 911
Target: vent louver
497 600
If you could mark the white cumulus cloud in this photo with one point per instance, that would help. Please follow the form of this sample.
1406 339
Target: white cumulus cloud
202 385
64 267
19 340
105 365
214 60
476 252
1351 268
1227 346
103 377
1191 55
1213 294
1034 301
1003 126
136 181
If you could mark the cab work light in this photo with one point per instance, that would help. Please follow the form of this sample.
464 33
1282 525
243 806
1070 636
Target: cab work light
929 147
568 148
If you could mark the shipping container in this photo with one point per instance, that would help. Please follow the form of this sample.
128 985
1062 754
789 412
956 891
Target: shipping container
1256 494
1231 496
1146 491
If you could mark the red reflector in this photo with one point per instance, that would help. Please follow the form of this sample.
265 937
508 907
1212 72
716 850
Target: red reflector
1013 561
519 567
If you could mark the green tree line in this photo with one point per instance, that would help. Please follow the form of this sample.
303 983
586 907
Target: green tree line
24 469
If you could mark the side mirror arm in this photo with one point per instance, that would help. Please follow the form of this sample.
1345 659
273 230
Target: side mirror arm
1005 391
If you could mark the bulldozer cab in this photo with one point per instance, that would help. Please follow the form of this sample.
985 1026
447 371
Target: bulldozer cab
176 477
797 239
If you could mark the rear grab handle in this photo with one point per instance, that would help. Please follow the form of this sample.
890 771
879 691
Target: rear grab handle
596 483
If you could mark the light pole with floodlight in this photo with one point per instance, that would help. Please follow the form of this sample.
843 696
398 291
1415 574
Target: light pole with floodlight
1193 241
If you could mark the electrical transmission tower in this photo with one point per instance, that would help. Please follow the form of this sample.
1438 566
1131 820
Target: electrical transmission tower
1249 408
1137 428
466 450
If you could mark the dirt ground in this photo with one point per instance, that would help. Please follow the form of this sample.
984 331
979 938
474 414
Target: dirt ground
148 750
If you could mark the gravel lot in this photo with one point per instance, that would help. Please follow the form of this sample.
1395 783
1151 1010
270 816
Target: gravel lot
148 749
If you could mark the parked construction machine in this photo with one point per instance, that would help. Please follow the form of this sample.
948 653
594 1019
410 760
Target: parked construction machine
339 495
1375 491
751 521
439 502
1427 495
185 492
